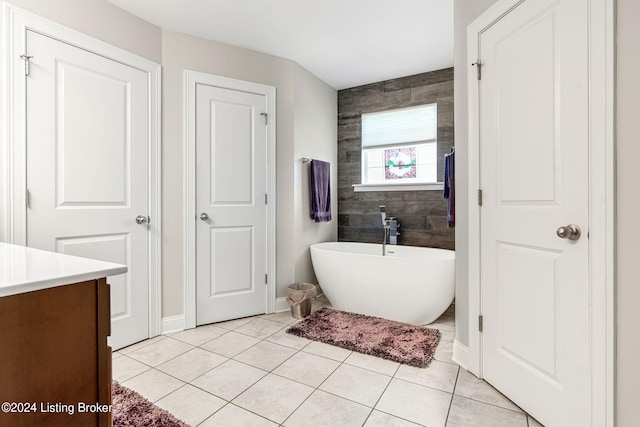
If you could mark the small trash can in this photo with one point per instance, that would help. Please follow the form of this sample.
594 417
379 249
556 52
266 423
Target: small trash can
299 296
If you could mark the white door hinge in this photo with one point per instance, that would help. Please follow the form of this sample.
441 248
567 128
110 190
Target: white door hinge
266 198
27 62
479 197
266 279
28 199
478 66
480 320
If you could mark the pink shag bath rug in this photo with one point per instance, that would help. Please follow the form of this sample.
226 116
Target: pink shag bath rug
131 409
400 342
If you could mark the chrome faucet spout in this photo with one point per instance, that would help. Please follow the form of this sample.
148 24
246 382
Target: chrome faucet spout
384 240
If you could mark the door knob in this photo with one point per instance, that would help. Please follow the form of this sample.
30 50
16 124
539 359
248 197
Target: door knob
571 232
141 219
204 216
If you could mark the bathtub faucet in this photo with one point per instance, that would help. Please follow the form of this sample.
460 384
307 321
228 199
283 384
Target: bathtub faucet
383 213
390 226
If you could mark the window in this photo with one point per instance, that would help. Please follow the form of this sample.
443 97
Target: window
400 146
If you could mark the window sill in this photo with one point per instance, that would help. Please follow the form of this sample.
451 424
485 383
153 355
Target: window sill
398 187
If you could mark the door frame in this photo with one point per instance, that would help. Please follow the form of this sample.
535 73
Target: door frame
601 199
13 170
191 80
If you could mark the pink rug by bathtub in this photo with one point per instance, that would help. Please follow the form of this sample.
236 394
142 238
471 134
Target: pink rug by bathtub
400 342
131 409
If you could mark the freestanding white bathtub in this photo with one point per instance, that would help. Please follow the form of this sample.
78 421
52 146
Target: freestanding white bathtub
410 284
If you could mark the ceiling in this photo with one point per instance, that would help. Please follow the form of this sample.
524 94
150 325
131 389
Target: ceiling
345 43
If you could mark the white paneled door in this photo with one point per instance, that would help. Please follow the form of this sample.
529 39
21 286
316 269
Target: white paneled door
231 187
534 150
87 169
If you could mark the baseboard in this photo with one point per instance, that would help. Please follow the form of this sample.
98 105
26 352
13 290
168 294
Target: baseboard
173 324
460 354
282 305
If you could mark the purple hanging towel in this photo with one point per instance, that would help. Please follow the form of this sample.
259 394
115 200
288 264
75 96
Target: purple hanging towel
320 191
450 188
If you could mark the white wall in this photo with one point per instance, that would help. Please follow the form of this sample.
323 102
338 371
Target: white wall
306 123
312 106
315 137
464 12
102 20
628 209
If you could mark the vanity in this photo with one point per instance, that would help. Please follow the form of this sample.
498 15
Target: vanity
55 364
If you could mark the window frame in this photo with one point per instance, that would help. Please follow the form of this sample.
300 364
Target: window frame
397 185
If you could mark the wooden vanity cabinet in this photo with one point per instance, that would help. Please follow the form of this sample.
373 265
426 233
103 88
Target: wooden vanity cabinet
54 356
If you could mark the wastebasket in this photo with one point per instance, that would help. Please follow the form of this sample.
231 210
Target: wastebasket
299 296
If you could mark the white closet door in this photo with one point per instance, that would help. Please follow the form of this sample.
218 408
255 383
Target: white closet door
231 159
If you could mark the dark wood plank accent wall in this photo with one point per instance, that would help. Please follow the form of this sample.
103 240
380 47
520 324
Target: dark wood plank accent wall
422 214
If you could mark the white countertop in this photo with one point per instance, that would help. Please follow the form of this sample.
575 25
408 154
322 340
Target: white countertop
25 269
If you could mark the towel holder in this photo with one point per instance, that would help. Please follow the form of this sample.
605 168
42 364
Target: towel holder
305 160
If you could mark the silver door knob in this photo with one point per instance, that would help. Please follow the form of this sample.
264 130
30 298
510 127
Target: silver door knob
141 219
571 232
204 216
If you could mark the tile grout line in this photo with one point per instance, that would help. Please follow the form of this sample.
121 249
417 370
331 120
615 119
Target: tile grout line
521 412
373 408
315 388
455 384
230 402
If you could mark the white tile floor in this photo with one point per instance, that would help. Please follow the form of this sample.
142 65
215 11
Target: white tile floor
249 372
